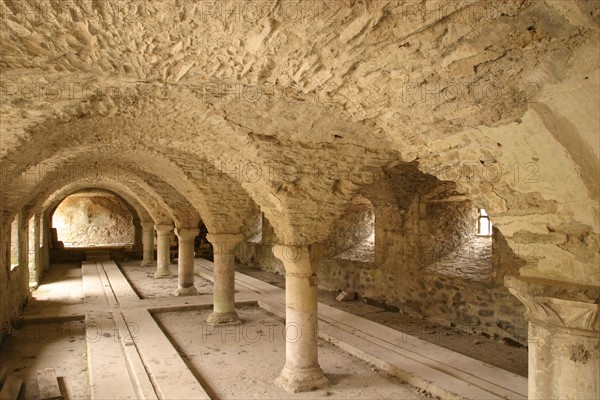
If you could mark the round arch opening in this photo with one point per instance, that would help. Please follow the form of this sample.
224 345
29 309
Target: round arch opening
94 218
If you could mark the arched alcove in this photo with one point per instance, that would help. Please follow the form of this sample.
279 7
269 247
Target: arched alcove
94 218
430 259
355 232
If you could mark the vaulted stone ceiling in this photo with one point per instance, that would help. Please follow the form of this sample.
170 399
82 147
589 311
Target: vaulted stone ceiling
213 110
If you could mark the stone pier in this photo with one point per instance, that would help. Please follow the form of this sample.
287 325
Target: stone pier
185 263
224 295
564 337
301 372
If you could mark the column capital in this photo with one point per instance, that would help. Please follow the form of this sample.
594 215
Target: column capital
224 238
224 242
565 305
296 259
163 228
186 234
147 224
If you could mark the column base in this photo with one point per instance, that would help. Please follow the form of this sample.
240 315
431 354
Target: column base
230 318
296 380
162 274
148 263
187 291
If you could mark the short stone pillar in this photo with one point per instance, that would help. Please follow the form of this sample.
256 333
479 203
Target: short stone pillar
301 372
148 243
185 263
163 249
564 337
224 273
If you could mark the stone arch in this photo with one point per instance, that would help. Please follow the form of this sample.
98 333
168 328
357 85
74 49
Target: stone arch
201 191
98 168
147 203
133 204
107 219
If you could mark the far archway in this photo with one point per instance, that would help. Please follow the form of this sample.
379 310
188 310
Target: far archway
94 219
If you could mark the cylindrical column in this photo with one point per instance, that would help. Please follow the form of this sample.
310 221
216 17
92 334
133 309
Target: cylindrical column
185 266
148 243
224 273
301 372
34 250
564 337
163 244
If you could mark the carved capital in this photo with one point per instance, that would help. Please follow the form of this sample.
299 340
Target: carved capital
147 225
187 234
163 229
296 260
561 304
224 243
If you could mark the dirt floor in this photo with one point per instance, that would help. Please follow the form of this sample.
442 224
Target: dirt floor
61 346
252 355
155 288
488 350
61 285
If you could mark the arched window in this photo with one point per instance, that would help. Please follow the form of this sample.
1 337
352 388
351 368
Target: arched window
14 243
484 225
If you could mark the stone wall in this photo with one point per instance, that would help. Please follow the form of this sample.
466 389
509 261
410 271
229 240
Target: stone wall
351 239
98 219
430 264
256 250
428 260
14 281
444 227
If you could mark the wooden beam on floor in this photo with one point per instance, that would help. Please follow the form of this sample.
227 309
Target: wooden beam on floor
120 286
457 374
106 359
77 312
171 376
127 336
107 366
48 384
11 388
438 370
135 355
149 366
93 287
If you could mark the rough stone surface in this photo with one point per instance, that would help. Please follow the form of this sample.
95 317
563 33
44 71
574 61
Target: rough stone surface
428 260
94 219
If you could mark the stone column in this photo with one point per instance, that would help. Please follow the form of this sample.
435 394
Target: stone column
564 337
45 233
301 372
224 259
163 245
185 263
34 251
137 234
148 243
